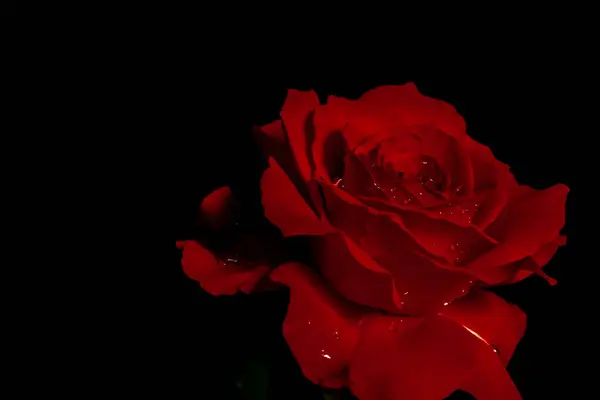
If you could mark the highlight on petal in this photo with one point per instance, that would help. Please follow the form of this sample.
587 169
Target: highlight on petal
295 114
533 220
285 207
321 329
216 209
219 277
491 319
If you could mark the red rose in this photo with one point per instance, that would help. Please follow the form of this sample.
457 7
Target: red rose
393 181
408 218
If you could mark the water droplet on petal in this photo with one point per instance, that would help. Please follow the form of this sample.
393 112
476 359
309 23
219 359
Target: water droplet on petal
325 355
420 193
495 348
446 303
336 335
308 322
424 162
464 210
458 189
476 205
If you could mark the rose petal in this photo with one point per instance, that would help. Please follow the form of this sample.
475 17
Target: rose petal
296 115
218 277
536 218
284 206
216 209
404 103
517 271
362 282
429 358
490 319
320 328
422 284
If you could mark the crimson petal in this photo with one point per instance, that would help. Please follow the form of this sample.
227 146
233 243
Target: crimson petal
218 277
533 220
320 328
284 206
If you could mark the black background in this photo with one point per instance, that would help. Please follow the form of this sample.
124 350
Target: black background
524 106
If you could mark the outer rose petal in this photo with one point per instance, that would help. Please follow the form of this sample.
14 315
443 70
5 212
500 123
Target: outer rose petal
522 269
398 357
395 359
284 206
320 328
404 103
336 259
490 319
296 113
216 210
534 219
217 277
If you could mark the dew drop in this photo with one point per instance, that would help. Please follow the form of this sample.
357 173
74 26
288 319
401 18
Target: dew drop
495 348
446 303
336 335
325 355
476 205
441 213
464 210
308 322
458 189
424 162
420 193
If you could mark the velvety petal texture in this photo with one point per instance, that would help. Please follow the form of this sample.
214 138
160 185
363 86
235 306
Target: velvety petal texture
380 356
